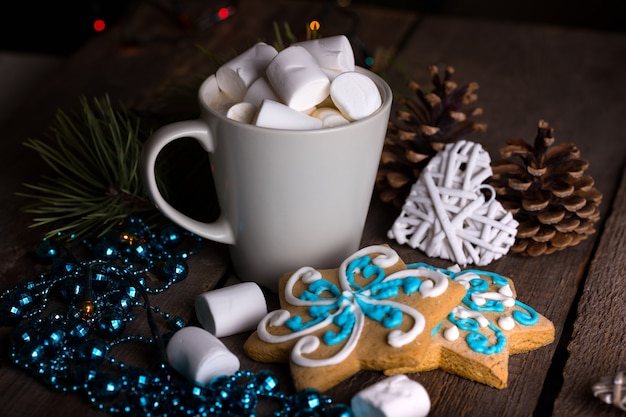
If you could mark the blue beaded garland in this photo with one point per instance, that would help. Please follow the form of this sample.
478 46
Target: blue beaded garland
67 349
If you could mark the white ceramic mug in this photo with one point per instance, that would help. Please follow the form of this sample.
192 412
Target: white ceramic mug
287 198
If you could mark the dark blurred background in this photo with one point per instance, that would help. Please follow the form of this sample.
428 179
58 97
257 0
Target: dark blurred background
37 36
59 27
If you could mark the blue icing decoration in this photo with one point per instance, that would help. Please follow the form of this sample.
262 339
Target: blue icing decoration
411 285
467 324
527 316
436 329
345 320
321 286
385 290
480 343
369 298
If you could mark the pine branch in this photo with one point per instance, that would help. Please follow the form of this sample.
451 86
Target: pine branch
94 156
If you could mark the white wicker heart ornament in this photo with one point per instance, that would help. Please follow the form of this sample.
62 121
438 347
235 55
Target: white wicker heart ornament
447 215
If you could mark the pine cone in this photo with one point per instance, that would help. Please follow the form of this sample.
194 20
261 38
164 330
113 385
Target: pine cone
422 126
548 192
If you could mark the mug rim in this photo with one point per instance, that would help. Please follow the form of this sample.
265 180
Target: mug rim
383 88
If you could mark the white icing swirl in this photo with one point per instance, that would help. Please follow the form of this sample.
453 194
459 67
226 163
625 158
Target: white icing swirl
348 301
464 313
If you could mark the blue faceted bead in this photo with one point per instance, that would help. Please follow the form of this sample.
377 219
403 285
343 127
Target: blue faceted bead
72 289
139 378
176 323
99 282
92 350
48 249
171 235
120 301
10 312
176 270
24 333
104 248
85 372
31 354
132 292
78 329
24 298
111 324
63 266
103 387
53 337
141 249
308 398
265 381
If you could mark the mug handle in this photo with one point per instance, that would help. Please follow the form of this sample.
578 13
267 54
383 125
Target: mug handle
219 230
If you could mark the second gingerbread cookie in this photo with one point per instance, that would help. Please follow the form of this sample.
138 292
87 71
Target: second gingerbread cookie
372 313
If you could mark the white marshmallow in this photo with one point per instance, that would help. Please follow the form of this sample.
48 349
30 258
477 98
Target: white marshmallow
297 78
397 396
231 310
242 112
259 90
279 116
200 356
235 76
330 117
355 95
333 53
221 102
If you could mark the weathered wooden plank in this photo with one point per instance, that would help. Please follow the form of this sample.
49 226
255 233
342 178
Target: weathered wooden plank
597 346
527 73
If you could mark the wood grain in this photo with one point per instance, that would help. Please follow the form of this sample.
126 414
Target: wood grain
597 349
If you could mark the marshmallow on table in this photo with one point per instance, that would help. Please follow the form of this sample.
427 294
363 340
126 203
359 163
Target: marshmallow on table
242 112
279 116
330 117
259 90
355 95
235 76
395 396
334 54
230 310
200 356
297 78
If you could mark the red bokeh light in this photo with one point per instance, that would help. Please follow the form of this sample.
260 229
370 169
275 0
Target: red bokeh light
99 25
223 13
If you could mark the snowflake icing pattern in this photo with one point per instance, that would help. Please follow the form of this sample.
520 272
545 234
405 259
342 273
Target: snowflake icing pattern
348 305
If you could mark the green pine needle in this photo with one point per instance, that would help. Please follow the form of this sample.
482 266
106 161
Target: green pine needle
94 156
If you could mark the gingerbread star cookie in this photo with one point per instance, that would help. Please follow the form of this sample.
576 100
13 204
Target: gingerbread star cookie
490 324
372 313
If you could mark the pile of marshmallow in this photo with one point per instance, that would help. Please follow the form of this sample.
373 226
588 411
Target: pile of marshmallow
198 353
309 85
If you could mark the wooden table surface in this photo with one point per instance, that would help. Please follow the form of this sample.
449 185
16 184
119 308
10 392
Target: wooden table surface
572 78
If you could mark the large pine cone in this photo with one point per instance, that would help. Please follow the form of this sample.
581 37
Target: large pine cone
548 192
422 126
